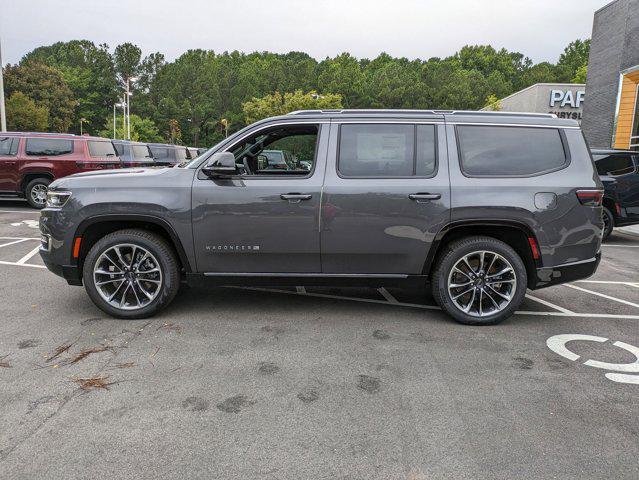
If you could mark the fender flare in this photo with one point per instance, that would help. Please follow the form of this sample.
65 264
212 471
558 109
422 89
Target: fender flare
160 222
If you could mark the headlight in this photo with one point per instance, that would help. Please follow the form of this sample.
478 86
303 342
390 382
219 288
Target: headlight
57 199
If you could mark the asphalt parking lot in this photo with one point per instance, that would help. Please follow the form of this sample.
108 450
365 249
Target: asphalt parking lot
315 383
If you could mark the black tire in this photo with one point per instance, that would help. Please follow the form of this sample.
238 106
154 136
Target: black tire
609 223
154 244
455 252
34 187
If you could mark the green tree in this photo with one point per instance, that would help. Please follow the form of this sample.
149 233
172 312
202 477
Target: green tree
23 115
278 104
581 75
47 88
89 72
126 58
574 57
493 104
142 129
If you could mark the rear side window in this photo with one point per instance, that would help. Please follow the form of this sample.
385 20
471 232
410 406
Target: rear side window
614 165
48 147
9 146
101 149
181 153
387 150
488 151
160 152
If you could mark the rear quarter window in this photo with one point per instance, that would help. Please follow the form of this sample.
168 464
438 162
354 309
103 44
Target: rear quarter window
496 151
9 146
101 149
48 147
160 152
614 165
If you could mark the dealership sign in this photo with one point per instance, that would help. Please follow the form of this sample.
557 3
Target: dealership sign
568 103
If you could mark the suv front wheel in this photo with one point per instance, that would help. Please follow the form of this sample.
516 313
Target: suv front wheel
479 281
131 274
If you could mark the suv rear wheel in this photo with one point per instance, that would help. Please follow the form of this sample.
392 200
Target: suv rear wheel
609 222
36 192
479 281
131 274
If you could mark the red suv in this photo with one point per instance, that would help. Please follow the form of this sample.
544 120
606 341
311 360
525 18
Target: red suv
29 162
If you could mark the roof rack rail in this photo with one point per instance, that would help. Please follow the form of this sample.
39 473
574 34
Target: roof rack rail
44 133
422 112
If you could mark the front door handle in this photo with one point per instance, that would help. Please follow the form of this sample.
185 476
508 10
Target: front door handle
295 197
425 196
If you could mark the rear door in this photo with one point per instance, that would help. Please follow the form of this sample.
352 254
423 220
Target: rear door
620 170
9 177
385 198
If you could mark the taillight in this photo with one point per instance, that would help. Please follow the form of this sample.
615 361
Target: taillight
590 198
618 209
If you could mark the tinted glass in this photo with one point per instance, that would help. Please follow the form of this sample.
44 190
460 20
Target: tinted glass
377 150
7 146
425 159
119 148
101 149
48 147
181 153
160 153
614 165
510 151
141 152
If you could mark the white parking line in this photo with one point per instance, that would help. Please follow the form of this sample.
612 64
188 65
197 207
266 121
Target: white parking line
620 246
24 259
614 299
21 264
14 242
386 294
300 289
21 211
548 304
433 307
605 282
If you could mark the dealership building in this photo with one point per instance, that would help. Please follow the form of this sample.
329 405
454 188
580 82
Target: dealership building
611 115
562 99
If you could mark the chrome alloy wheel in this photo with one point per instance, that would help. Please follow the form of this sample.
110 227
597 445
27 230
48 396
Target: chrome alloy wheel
127 277
39 194
482 283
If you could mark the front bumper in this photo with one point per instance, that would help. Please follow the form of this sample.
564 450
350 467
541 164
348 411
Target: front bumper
55 247
547 277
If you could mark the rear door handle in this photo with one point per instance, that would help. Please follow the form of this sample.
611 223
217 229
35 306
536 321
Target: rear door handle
295 197
425 196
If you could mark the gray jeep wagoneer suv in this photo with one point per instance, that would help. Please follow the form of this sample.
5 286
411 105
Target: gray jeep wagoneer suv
480 206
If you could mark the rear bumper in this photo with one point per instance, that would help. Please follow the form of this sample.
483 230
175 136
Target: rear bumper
547 277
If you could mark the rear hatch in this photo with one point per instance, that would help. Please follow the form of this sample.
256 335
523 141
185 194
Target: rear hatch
102 155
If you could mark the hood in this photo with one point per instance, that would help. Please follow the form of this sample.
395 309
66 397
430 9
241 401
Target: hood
119 177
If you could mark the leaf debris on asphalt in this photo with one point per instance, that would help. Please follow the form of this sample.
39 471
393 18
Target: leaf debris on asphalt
88 351
94 383
3 363
170 327
124 365
59 351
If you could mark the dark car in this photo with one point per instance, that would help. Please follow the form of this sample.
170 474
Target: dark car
619 172
168 155
133 154
29 162
480 206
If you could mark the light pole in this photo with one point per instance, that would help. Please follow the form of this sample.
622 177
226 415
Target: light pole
128 105
82 120
115 105
3 114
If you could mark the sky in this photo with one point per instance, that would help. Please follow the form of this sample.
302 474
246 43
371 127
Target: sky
540 29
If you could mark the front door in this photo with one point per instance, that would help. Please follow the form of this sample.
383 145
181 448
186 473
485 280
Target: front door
386 196
265 219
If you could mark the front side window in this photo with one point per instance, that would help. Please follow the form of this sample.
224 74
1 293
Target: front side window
101 149
8 146
160 152
614 165
372 150
48 147
488 151
141 152
181 153
119 149
283 150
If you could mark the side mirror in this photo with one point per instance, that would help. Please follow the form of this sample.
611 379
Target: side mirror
220 165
